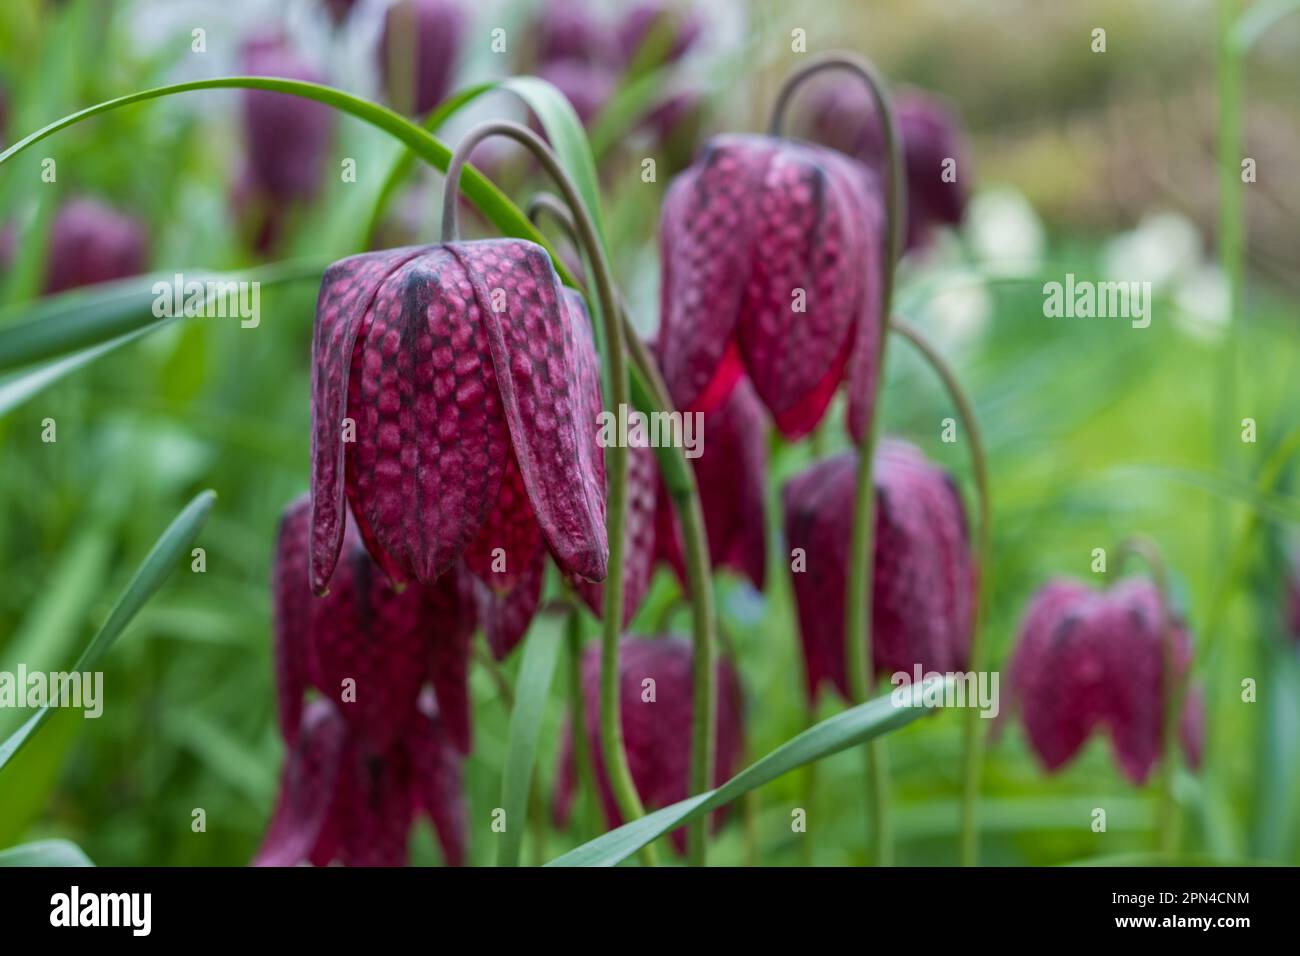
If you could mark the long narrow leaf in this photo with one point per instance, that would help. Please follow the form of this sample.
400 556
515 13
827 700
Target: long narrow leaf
157 566
532 689
848 729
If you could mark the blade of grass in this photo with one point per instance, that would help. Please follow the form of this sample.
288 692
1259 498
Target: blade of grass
532 690
157 566
849 728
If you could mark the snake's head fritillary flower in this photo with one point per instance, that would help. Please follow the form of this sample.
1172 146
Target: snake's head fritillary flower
90 242
731 474
1088 660
570 30
656 703
923 592
419 51
935 151
772 258
343 800
365 645
288 137
681 29
451 410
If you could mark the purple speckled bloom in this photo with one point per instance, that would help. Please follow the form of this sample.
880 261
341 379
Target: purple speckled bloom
683 28
772 256
656 729
452 409
843 117
365 645
923 596
570 30
1087 660
420 46
90 242
731 474
343 800
288 137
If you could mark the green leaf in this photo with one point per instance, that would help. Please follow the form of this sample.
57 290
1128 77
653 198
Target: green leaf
847 729
45 853
532 689
157 566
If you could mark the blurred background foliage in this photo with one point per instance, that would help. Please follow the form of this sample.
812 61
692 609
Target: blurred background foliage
1098 164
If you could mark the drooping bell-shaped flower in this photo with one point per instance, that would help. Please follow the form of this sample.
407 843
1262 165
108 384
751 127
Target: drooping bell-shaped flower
923 594
679 26
419 51
288 137
453 408
90 242
731 474
344 800
365 645
570 30
656 726
772 257
935 152
1088 660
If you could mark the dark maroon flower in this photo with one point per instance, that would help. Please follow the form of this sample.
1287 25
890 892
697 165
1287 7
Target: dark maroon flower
466 376
568 30
419 51
343 800
90 242
682 28
922 608
1089 659
656 726
731 474
364 645
288 136
771 254
587 86
844 117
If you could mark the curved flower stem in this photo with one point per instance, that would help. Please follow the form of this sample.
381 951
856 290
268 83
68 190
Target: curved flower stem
616 382
973 739
584 773
857 615
682 488
1146 550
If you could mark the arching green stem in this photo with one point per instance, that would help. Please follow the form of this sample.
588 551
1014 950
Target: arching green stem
1148 552
616 382
695 547
857 615
973 738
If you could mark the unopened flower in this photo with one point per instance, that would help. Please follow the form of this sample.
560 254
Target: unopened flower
90 242
343 800
772 257
923 593
680 27
656 704
1088 660
288 137
453 406
366 645
570 30
419 51
935 153
731 474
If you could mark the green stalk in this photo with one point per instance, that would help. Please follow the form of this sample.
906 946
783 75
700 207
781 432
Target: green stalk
584 771
857 616
685 494
972 738
1146 550
614 360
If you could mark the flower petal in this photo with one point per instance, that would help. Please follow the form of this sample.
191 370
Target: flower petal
292 615
450 613
437 780
505 616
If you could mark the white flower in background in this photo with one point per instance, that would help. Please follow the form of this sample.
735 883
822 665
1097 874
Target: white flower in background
1203 302
1004 232
1163 248
959 310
